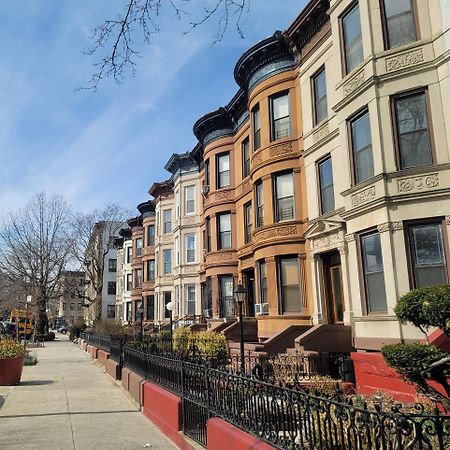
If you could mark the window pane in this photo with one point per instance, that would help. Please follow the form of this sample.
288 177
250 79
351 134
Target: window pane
225 230
400 22
326 185
226 296
150 307
259 205
373 273
280 117
280 107
248 222
428 255
362 148
151 235
352 39
412 126
320 94
189 198
245 158
223 168
290 285
285 196
167 221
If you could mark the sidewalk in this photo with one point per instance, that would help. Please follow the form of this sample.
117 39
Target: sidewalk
66 402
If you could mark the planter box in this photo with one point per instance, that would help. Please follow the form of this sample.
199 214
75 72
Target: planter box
11 371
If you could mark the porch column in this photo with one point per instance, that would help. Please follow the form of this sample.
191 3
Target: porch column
354 293
345 284
317 315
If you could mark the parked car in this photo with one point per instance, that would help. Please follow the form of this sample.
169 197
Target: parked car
8 329
64 329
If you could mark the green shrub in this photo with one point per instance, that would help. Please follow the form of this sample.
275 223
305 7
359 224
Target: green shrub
182 340
211 345
9 348
30 359
413 361
426 307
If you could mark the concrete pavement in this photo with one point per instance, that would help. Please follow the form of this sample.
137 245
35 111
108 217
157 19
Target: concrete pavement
67 402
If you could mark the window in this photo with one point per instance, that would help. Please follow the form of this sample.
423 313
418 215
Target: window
167 218
256 122
72 307
351 32
428 259
413 140
284 197
259 204
111 288
189 200
361 142
373 272
150 307
280 122
167 261
151 270
129 254
177 251
112 265
262 274
223 170
289 283
138 310
326 185
208 234
138 278
226 300
151 235
190 299
248 222
207 173
129 281
110 311
399 26
245 158
177 204
79 306
190 248
167 295
128 312
224 230
139 247
320 96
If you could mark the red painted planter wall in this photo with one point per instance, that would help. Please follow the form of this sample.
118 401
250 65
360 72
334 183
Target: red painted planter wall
224 436
11 370
102 357
164 409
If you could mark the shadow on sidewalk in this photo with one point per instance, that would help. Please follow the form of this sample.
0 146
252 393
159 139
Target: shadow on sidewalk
83 413
36 382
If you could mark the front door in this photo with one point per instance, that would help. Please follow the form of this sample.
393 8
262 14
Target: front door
332 279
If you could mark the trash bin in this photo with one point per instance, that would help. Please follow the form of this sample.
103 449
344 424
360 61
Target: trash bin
347 369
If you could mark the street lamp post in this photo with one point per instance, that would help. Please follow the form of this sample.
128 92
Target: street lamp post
239 294
170 307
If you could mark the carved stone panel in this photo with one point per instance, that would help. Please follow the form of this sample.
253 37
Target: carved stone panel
404 60
354 83
420 183
321 133
280 231
219 257
325 241
365 196
281 149
223 195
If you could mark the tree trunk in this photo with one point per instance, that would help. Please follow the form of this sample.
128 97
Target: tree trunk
42 319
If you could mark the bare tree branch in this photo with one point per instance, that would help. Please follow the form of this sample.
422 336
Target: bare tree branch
115 39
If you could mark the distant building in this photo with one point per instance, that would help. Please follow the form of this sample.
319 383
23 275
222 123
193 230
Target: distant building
70 302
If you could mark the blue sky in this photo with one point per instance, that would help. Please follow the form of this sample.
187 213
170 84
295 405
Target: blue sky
108 146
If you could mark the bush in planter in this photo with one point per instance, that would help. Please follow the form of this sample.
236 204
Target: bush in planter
183 339
12 354
211 346
426 307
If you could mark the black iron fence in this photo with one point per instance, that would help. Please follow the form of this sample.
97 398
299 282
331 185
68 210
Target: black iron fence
288 418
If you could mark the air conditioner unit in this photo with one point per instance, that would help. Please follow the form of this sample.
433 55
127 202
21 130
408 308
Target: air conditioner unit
205 189
261 309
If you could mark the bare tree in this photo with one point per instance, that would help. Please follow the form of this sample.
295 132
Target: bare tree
35 246
12 295
94 238
117 39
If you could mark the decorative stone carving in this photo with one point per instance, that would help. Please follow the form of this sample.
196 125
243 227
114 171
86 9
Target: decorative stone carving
354 83
382 228
246 186
325 241
408 59
188 221
397 226
223 195
447 220
190 269
350 237
364 196
219 257
342 249
281 149
321 133
418 183
257 157
276 232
